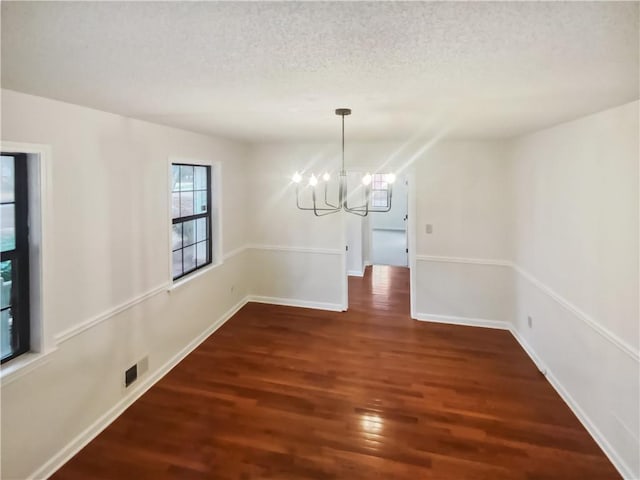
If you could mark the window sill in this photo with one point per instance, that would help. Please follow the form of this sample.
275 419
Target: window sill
23 364
198 273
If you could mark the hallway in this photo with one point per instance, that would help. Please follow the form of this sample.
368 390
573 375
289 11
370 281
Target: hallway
383 289
389 247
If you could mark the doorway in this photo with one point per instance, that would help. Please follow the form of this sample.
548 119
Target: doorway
388 231
378 247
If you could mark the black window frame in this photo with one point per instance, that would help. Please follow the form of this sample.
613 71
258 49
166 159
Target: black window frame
181 220
19 257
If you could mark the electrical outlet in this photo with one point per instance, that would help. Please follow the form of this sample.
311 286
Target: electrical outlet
530 321
429 228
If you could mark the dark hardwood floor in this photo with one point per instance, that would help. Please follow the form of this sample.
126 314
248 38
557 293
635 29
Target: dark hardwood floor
292 393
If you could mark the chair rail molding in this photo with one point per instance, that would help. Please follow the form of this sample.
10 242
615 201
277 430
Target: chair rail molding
475 261
587 319
287 248
566 304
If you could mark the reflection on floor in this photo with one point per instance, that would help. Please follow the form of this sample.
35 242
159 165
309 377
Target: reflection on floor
388 247
294 393
383 289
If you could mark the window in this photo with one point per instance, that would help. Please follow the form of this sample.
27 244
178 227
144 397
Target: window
191 213
14 257
379 191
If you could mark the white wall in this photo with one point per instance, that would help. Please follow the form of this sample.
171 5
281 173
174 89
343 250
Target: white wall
576 254
562 204
354 226
366 241
296 258
394 219
462 188
463 191
318 244
109 249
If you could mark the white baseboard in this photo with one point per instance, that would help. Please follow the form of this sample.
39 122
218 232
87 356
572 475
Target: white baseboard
529 351
78 443
467 321
293 302
586 422
73 447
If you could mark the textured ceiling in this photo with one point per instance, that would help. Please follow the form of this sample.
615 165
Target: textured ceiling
269 71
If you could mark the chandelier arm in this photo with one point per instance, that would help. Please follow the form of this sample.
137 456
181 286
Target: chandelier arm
329 212
361 208
311 208
370 210
298 197
328 208
326 201
316 210
389 196
360 213
320 209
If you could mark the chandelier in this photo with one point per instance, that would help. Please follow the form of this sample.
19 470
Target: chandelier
323 206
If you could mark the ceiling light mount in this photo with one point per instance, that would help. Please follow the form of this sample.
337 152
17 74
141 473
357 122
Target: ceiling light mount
325 207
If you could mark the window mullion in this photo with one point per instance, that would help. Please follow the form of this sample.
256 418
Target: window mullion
198 172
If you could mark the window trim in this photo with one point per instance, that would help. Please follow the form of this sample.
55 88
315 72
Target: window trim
215 224
195 216
19 257
42 340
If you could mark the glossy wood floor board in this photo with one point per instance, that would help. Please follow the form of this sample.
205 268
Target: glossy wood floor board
292 393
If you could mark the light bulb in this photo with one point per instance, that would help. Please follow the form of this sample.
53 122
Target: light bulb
390 178
366 180
313 181
326 176
296 177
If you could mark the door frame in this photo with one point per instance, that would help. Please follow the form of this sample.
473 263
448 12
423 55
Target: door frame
411 245
345 263
404 176
411 238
